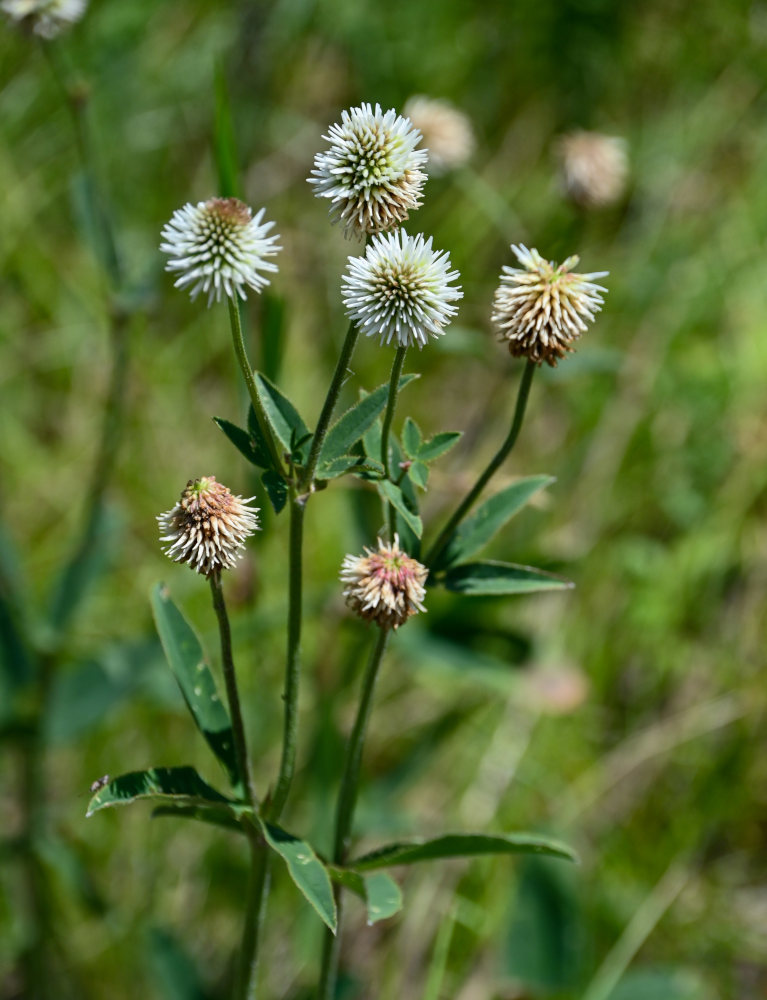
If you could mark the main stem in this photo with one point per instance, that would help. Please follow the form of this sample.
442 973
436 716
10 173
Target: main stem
259 867
347 800
250 382
230 682
339 377
293 658
495 463
391 403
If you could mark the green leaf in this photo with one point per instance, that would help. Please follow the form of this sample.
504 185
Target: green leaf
419 474
16 664
395 497
260 444
383 897
347 463
216 817
183 784
478 529
411 437
284 419
489 577
173 970
254 449
187 661
438 445
306 870
81 697
461 845
355 423
276 489
380 893
224 146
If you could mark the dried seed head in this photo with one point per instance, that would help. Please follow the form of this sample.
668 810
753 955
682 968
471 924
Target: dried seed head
542 308
401 289
219 247
208 526
593 168
386 586
46 18
446 131
371 171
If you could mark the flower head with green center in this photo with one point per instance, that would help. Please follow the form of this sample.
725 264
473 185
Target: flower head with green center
446 131
385 587
46 18
542 308
208 526
401 290
371 172
219 247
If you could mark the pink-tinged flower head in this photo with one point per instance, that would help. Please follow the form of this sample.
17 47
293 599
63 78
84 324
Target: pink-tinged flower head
208 526
384 586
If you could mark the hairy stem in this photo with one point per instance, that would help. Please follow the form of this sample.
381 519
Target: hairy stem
495 463
326 414
293 658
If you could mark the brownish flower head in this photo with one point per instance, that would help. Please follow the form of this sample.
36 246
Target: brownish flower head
208 526
593 167
386 586
540 309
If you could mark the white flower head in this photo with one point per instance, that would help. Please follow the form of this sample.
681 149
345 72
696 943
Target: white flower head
45 17
446 131
541 308
219 247
208 526
593 167
384 586
371 172
401 289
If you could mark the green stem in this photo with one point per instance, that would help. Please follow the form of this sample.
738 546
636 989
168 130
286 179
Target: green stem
347 800
258 888
232 694
495 463
391 403
293 658
339 377
250 382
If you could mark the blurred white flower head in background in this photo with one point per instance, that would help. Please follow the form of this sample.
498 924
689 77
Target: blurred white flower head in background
371 171
447 132
46 17
594 167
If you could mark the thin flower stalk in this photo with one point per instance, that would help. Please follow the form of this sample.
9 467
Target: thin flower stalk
396 372
495 463
347 800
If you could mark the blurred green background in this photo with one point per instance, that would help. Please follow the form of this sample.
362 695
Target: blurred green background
626 716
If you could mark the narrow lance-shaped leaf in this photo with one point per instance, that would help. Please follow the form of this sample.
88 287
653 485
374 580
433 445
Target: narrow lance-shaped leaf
187 661
284 418
477 530
306 870
411 437
395 497
276 489
487 578
252 448
461 845
182 784
357 420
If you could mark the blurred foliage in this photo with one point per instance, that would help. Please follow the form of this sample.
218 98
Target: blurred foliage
626 716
